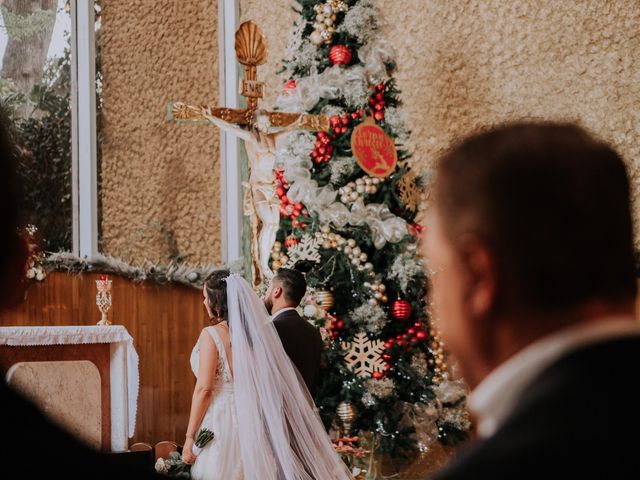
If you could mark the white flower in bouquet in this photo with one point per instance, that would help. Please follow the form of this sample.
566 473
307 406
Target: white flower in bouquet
40 275
31 273
161 466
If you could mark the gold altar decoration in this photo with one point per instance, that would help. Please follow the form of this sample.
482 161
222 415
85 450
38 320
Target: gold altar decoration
260 131
103 298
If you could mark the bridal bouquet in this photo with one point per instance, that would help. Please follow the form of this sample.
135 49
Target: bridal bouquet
174 467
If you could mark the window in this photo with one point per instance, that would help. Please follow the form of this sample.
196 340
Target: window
35 89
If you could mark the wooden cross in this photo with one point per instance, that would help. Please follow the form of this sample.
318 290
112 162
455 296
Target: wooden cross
251 50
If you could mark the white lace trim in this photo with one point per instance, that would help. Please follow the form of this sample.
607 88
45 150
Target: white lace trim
70 335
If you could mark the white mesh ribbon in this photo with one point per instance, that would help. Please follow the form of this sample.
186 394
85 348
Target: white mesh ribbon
375 55
384 225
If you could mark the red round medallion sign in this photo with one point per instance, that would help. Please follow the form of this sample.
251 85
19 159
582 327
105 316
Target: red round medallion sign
373 149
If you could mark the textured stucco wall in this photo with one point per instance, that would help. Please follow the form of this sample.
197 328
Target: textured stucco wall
160 181
463 64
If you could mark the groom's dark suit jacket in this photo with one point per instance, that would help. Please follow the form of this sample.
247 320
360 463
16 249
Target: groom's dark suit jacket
303 344
579 419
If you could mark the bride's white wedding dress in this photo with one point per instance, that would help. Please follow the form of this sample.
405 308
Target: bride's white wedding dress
220 458
265 424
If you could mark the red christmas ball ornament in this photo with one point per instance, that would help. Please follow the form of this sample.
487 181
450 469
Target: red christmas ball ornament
290 84
290 241
401 310
421 335
340 55
377 375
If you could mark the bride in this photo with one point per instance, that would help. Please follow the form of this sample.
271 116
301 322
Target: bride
249 394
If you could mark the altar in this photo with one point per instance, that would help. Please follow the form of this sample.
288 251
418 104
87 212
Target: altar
83 377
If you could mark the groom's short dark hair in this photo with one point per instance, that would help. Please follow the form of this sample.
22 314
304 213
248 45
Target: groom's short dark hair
293 283
554 205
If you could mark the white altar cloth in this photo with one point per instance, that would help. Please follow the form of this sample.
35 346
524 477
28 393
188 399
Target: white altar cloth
123 366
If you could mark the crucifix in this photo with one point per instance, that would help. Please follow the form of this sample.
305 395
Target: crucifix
260 131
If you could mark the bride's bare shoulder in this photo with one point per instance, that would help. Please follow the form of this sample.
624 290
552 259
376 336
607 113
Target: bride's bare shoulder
220 328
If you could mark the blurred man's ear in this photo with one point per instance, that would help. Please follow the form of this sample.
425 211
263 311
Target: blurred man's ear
277 292
480 276
12 285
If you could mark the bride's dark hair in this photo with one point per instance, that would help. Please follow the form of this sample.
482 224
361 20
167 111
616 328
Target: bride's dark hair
216 287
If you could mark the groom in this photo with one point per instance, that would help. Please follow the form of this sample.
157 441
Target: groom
300 339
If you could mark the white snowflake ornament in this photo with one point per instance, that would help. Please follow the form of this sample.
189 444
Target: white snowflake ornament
307 249
363 355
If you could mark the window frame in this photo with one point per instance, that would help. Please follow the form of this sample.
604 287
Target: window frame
84 132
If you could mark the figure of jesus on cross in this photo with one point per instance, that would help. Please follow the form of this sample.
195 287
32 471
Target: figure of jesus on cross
260 131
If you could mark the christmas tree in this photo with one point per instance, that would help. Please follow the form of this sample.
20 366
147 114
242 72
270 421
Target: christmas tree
349 201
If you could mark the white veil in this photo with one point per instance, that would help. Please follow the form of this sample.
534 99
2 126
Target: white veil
281 435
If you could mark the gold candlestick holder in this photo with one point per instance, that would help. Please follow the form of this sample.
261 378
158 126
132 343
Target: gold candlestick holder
103 298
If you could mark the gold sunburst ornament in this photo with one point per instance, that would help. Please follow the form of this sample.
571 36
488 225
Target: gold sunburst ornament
409 191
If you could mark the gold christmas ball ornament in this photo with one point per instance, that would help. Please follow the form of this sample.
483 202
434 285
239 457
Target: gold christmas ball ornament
316 38
347 414
325 299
